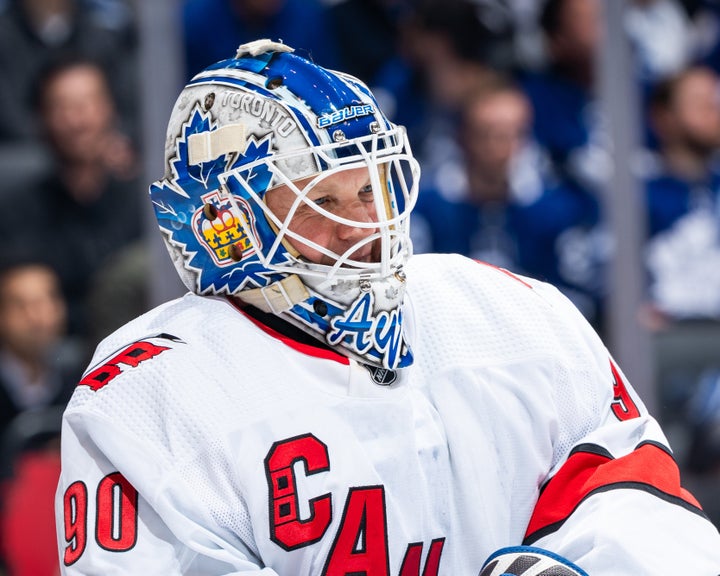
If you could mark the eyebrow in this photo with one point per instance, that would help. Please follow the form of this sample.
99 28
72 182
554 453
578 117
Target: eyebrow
328 188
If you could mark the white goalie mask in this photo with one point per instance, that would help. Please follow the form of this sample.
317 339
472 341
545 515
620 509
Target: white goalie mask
256 144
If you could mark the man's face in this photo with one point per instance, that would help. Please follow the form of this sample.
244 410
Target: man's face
495 130
32 311
347 195
78 112
697 109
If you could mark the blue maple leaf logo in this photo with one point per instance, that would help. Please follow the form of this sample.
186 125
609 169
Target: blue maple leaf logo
205 174
258 176
177 202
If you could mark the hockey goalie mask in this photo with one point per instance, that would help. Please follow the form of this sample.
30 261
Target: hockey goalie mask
287 187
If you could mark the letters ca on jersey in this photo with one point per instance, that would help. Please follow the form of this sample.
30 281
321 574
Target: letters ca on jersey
360 541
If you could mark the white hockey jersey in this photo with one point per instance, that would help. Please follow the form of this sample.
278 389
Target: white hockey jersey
203 442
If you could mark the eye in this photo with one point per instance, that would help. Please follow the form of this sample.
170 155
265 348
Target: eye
366 193
321 201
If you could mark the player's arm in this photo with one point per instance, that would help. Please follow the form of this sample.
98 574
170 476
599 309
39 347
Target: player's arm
106 525
614 503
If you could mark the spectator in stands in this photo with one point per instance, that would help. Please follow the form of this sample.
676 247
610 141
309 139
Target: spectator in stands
567 120
39 366
682 259
215 28
399 82
498 201
455 54
88 207
683 199
32 32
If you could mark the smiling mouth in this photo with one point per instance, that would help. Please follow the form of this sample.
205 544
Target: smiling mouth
362 255
367 253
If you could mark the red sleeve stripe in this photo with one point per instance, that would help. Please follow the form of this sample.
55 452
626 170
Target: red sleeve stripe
591 469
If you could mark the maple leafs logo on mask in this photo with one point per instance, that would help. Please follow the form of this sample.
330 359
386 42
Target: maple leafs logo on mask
178 202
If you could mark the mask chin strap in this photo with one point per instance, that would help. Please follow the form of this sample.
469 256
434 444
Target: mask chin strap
278 297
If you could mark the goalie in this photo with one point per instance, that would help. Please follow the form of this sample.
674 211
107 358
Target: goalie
323 403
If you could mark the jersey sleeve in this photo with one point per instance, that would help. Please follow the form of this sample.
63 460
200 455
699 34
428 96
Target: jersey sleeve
614 502
106 525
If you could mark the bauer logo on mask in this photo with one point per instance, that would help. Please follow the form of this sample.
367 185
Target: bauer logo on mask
344 114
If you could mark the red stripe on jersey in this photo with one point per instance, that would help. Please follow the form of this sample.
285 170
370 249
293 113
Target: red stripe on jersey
307 349
506 272
648 468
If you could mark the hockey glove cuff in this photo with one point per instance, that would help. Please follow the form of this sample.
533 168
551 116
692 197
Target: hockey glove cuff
528 561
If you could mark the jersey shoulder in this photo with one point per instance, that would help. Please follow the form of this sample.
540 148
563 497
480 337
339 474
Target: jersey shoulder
189 318
166 354
492 313
478 284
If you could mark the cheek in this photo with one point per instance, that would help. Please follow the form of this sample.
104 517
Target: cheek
308 226
318 230
16 324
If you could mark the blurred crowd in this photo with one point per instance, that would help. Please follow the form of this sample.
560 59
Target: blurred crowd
501 102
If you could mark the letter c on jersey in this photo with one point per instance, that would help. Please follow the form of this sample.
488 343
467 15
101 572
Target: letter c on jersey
287 529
